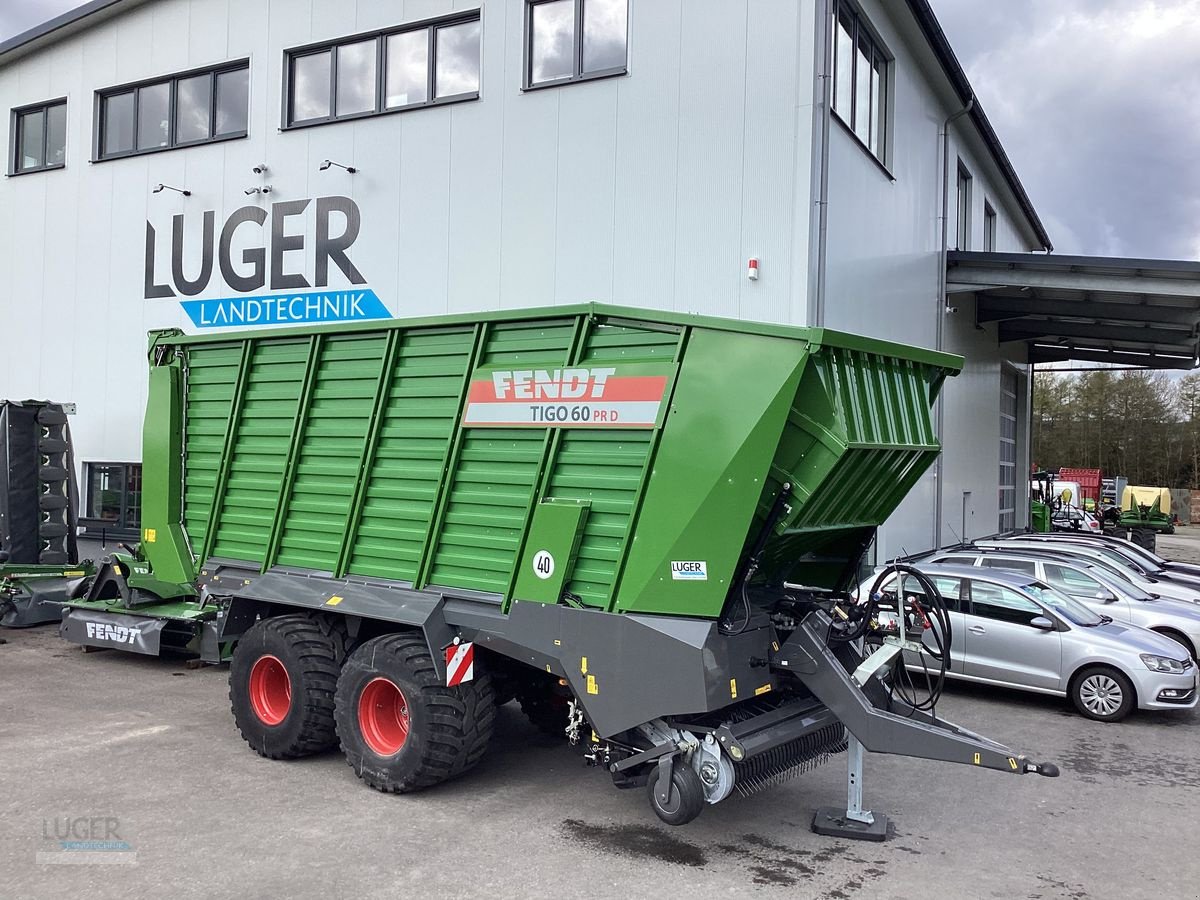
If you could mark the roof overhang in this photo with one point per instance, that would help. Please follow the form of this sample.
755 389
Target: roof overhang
1130 312
72 21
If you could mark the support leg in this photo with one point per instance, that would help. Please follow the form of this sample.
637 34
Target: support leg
853 822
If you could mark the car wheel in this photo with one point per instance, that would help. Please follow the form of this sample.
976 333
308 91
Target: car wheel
1103 694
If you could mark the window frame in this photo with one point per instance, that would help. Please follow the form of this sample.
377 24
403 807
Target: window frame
953 604
862 26
172 81
979 582
989 226
964 192
92 523
577 74
1012 565
380 35
15 115
1099 586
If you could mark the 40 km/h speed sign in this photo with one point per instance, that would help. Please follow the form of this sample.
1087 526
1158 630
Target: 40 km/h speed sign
616 396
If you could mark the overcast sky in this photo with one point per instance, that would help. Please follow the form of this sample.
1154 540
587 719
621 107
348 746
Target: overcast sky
1096 102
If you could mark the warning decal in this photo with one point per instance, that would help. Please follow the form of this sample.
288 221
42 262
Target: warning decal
460 663
617 396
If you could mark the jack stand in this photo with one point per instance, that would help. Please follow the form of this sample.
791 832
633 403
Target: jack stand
853 822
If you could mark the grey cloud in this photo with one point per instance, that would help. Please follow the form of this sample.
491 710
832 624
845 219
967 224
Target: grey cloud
457 63
1095 102
553 40
17 16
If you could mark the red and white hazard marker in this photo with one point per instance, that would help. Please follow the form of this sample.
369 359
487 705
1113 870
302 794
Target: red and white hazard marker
460 663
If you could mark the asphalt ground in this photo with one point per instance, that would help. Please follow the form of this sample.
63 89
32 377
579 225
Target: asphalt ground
141 755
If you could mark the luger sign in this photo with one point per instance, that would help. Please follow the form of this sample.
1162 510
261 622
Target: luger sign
269 262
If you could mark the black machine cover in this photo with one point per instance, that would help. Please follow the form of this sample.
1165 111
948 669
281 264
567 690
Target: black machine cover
38 494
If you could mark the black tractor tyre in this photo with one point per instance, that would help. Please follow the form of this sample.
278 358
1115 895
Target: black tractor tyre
401 728
686 798
1144 538
281 684
547 712
1103 678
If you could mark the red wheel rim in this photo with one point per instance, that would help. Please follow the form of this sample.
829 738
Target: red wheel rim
383 717
270 690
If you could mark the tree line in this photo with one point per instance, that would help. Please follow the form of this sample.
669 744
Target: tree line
1139 424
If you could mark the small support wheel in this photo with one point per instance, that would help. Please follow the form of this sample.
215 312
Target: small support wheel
684 801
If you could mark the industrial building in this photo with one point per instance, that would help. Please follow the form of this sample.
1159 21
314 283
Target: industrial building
230 164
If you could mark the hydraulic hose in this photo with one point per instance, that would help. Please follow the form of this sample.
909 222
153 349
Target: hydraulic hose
902 684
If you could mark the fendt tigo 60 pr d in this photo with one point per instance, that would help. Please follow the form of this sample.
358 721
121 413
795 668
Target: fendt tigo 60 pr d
640 525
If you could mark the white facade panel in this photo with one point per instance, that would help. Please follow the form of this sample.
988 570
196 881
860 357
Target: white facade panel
647 155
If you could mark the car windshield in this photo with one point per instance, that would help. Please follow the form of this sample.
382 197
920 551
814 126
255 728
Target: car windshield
1118 557
1119 586
1117 565
1071 610
1155 562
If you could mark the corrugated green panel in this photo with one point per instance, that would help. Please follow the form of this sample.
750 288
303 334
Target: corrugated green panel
607 467
859 435
414 437
339 414
212 375
885 401
627 343
497 471
485 517
537 343
264 433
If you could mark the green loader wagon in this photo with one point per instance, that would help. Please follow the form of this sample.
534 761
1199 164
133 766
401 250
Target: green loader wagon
643 526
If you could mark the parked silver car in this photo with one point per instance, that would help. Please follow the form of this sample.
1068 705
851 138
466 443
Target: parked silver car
1092 586
1013 630
1147 562
1118 565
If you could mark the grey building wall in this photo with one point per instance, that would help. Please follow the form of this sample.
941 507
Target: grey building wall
883 258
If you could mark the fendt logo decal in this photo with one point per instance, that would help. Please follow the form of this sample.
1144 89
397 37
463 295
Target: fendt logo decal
559 384
620 396
117 634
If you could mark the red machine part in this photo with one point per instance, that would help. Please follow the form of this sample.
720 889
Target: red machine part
1088 480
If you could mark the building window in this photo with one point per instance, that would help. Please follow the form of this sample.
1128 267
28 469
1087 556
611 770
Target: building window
963 207
431 62
39 138
860 80
113 497
989 227
1008 453
177 111
575 40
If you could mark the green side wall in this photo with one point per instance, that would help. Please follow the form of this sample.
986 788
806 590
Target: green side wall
341 451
